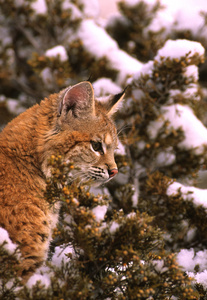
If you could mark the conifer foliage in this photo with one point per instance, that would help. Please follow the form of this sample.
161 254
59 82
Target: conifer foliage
143 236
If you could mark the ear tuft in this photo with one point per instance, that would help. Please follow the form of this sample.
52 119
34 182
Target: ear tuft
112 103
79 99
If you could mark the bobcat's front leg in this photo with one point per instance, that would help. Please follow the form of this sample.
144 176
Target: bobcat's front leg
31 230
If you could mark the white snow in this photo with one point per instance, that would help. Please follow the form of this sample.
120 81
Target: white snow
44 279
165 158
91 8
120 149
4 237
191 71
198 196
47 77
114 226
200 277
188 259
186 16
60 255
99 212
190 93
57 51
146 69
179 48
75 12
124 63
182 116
177 15
39 6
14 106
96 40
104 86
159 266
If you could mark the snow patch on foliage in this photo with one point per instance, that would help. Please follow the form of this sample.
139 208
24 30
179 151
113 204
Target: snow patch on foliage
99 212
165 158
201 278
47 77
57 51
43 279
75 12
98 42
9 245
39 6
91 8
182 116
198 196
179 48
191 71
114 226
178 16
189 93
60 255
146 69
188 259
104 86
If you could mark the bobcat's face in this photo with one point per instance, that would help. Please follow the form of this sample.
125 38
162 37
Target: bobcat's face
85 134
95 155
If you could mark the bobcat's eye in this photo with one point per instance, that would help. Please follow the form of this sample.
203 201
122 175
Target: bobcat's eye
97 146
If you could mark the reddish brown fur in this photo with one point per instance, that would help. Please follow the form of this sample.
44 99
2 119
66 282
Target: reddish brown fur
25 146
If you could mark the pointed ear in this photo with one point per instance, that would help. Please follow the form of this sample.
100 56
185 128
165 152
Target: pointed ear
79 99
112 103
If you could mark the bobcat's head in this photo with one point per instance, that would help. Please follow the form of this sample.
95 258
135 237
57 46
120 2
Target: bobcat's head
84 133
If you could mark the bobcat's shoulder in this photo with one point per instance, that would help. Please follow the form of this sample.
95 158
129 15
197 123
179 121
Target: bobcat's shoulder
71 123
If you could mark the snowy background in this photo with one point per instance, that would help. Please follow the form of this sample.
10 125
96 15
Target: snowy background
177 15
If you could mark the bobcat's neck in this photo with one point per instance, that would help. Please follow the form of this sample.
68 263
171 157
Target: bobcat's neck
20 138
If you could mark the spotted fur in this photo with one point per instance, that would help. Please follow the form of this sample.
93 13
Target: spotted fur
76 126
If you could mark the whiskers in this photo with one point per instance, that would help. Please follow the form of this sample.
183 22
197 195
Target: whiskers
123 128
80 177
121 134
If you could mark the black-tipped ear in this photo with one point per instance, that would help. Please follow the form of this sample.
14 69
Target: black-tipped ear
79 99
90 78
112 103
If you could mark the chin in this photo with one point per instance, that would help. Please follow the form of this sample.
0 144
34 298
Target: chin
99 183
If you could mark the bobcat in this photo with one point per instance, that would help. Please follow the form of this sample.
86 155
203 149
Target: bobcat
76 126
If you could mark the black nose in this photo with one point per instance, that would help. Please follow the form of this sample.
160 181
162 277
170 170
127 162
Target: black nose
112 172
